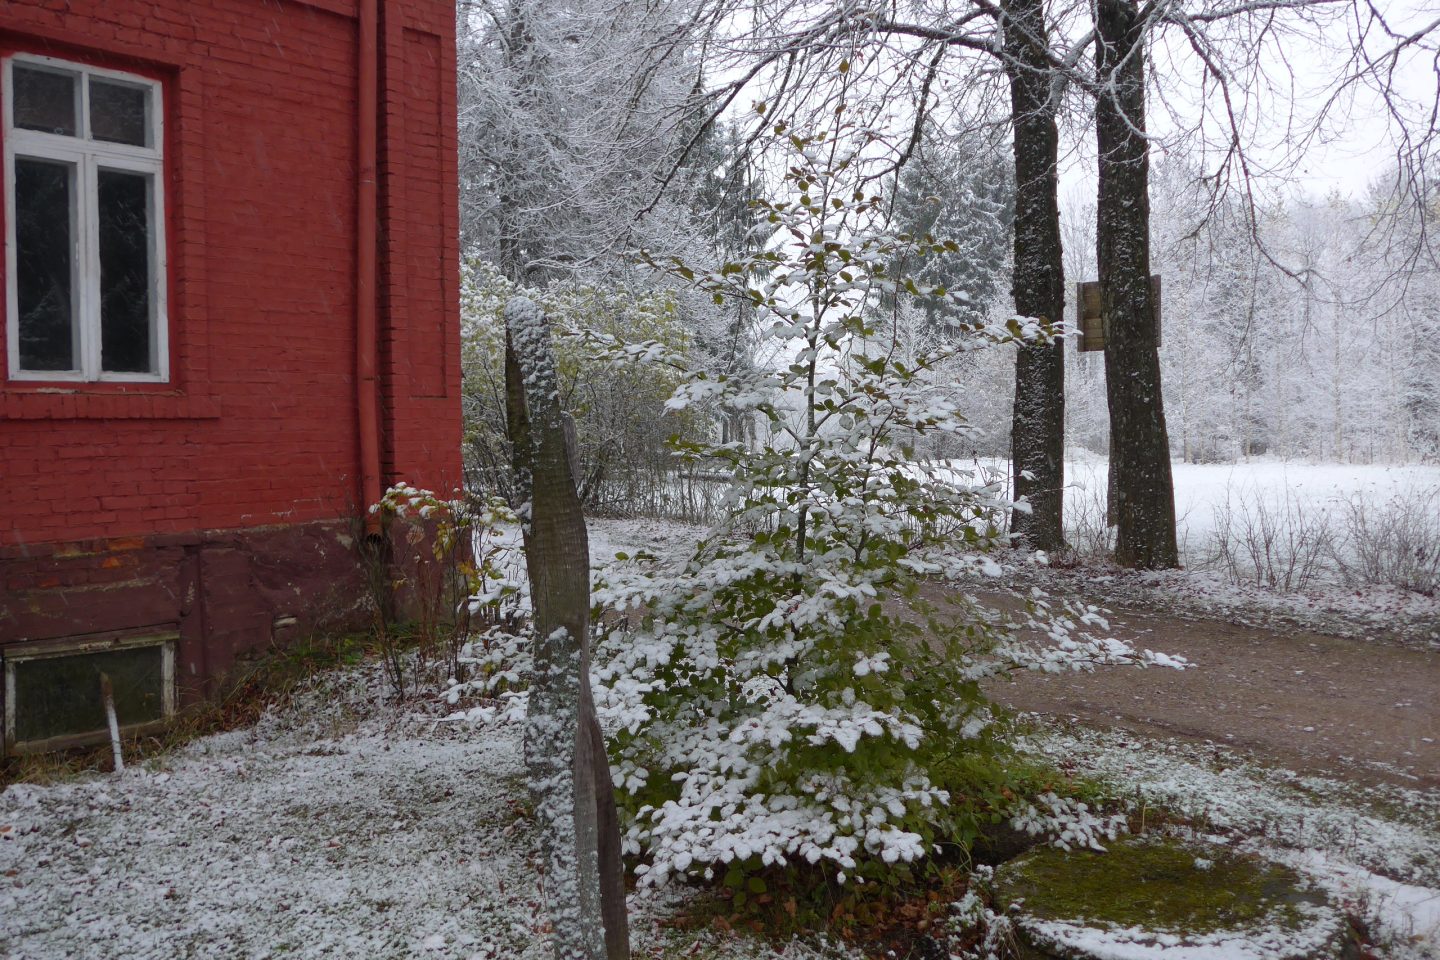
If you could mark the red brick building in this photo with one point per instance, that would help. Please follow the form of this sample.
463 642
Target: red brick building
230 304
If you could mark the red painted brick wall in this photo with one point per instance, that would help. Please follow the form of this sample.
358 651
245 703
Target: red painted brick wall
258 424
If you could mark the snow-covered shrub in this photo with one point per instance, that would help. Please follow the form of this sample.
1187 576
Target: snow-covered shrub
1274 540
1087 517
789 696
1396 543
449 564
973 914
626 464
1069 823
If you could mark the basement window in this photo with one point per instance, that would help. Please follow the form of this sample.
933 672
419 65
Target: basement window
52 690
84 227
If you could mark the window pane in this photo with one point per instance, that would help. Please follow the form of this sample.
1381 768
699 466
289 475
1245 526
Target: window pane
44 250
44 100
60 696
125 308
117 112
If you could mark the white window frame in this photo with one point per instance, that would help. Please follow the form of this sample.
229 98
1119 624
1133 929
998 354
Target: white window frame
86 157
65 647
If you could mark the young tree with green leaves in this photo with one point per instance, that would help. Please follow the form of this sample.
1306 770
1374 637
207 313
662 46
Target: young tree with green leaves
788 695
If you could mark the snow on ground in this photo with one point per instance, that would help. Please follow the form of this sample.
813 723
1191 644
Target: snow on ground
1376 849
347 827
671 541
1399 615
1201 494
342 828
1138 943
1201 489
1205 589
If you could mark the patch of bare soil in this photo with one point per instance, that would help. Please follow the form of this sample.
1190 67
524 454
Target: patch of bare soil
1360 710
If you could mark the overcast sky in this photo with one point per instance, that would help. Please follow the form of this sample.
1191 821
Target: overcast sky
1357 142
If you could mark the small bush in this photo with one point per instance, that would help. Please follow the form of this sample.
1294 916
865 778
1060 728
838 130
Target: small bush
1396 543
626 466
446 560
1087 523
1273 540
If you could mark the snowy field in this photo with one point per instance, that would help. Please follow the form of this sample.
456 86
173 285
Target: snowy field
1201 490
1300 499
1288 526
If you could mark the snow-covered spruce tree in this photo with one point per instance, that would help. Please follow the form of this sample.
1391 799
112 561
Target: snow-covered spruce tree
788 697
960 186
568 110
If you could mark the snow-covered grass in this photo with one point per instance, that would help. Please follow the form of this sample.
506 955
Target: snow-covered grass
1306 509
1201 489
341 827
1375 849
345 826
1302 503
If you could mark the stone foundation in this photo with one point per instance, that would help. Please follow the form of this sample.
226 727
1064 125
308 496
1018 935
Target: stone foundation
228 594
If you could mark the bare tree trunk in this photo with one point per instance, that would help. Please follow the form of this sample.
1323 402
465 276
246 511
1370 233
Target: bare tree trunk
564 747
1144 493
1038 428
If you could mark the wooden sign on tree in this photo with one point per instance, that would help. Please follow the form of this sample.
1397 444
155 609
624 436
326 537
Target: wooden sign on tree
1090 316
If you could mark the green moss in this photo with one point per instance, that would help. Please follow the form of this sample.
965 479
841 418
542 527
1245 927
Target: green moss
1155 884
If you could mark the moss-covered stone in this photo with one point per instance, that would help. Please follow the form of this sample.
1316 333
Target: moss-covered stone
1164 892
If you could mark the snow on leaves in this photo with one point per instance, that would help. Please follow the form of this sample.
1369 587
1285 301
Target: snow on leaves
788 694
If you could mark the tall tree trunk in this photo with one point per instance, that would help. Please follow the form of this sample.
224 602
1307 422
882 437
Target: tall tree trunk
1037 434
564 747
1144 493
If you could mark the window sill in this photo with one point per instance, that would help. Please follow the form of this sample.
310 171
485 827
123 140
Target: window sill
60 404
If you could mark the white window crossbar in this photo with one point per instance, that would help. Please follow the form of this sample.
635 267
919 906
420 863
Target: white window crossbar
85 223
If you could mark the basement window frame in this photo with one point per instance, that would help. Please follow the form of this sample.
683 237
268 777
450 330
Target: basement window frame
165 640
86 157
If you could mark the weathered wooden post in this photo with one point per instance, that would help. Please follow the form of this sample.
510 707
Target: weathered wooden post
564 746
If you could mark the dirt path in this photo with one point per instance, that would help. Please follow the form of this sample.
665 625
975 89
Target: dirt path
1366 712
